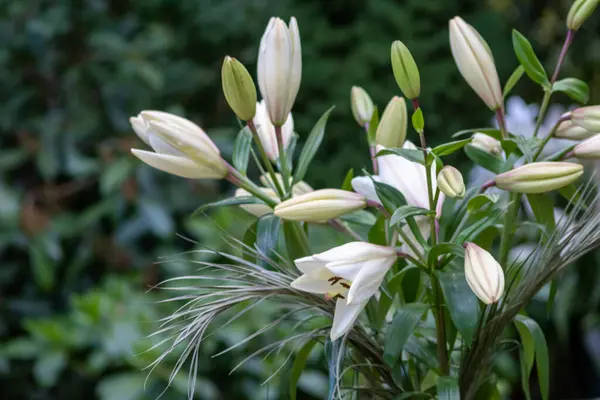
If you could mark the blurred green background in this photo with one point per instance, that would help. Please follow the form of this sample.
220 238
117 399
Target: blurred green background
82 223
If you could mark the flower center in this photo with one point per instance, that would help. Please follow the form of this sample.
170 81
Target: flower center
339 288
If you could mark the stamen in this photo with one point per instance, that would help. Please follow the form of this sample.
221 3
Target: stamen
345 285
337 296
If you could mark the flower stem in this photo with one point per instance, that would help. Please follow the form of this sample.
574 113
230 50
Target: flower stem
283 161
265 158
372 153
565 117
234 176
543 108
501 122
563 53
339 226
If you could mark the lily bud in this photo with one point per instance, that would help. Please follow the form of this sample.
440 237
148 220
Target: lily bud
405 70
483 273
266 131
257 210
451 183
487 144
320 205
539 177
589 148
180 147
280 68
475 62
587 118
238 88
362 105
391 131
579 12
568 130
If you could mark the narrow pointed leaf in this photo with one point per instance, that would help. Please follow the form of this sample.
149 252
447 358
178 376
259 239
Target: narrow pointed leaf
540 348
485 159
528 59
514 78
408 211
492 132
404 322
444 248
231 201
449 148
241 150
576 89
347 184
462 304
298 366
413 155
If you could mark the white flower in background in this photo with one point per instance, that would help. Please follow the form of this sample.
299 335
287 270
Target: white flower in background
266 131
521 120
280 68
180 147
483 273
350 274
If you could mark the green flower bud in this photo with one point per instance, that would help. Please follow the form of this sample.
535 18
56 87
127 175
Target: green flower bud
238 88
405 70
579 12
451 183
391 131
539 177
362 105
589 148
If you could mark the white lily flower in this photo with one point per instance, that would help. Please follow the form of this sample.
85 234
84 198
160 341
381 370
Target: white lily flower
180 147
266 131
350 274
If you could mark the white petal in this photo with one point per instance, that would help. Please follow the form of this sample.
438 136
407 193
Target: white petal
313 283
309 264
162 147
368 280
179 166
344 269
140 128
345 315
406 176
365 186
355 252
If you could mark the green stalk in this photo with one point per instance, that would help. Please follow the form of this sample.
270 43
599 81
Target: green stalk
234 176
509 219
283 161
543 109
265 158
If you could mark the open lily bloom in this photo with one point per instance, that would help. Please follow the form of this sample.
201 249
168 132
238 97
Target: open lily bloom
349 274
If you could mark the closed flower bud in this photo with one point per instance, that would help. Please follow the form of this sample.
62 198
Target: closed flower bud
475 62
266 131
257 210
587 118
451 183
362 105
483 273
487 144
568 130
280 68
180 147
391 131
238 88
539 177
589 148
320 205
579 12
405 70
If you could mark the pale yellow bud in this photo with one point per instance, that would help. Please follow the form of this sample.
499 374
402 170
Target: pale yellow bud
238 88
451 183
320 205
405 70
483 273
539 177
579 12
362 105
588 149
391 131
568 130
475 62
587 118
487 144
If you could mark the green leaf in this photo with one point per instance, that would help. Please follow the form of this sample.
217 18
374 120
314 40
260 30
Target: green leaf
241 150
407 211
311 146
510 146
391 198
533 336
495 133
418 121
479 226
404 322
462 304
576 89
485 159
298 367
449 148
413 395
231 201
360 217
413 155
115 174
444 248
294 240
377 232
267 234
372 131
249 240
347 184
514 78
570 193
528 59
481 200
447 388
543 210
559 155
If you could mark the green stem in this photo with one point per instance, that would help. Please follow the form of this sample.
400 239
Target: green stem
550 135
296 239
283 161
543 108
509 219
234 176
265 158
